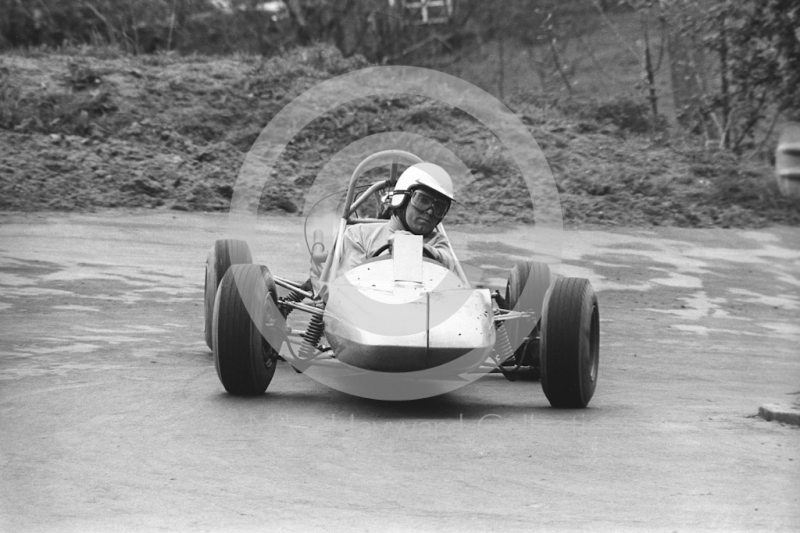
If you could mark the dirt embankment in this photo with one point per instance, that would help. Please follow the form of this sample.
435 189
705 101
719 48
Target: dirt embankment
83 132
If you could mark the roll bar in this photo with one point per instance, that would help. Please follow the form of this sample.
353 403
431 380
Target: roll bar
329 270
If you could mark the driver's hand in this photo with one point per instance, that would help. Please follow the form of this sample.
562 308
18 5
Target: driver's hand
434 253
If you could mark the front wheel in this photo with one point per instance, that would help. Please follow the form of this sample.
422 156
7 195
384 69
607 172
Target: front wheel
570 345
223 254
244 359
527 285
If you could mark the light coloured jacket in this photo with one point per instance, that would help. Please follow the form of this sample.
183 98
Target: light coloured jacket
362 240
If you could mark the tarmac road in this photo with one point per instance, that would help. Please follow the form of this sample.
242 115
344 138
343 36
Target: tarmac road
112 417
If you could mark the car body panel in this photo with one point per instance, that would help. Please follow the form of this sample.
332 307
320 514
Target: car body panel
376 323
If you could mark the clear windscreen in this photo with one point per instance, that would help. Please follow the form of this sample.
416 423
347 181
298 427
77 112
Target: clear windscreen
325 207
322 218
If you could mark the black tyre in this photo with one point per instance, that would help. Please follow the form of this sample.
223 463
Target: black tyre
244 360
525 291
226 252
570 345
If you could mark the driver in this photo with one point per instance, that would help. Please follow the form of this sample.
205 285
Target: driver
421 199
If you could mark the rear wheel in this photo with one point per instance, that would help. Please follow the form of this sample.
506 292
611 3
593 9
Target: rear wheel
225 252
244 360
570 344
525 291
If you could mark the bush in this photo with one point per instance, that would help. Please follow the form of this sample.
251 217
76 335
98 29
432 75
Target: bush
626 113
755 49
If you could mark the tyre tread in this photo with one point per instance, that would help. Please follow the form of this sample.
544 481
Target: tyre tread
237 341
223 254
532 299
562 377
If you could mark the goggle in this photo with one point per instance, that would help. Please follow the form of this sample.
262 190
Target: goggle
424 201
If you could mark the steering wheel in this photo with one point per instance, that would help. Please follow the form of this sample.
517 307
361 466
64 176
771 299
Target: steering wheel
380 250
388 246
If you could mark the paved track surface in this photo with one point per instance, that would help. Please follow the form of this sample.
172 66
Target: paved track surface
112 417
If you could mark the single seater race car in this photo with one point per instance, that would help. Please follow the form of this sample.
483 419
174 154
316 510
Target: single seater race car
398 315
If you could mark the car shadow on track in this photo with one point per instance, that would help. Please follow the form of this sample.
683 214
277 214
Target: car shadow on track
526 400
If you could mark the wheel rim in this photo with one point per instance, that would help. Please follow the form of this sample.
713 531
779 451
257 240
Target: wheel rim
266 353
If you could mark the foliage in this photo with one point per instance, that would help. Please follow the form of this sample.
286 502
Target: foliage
752 47
624 113
377 29
144 26
756 45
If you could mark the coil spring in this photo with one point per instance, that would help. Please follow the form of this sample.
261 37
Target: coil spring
502 346
292 296
311 338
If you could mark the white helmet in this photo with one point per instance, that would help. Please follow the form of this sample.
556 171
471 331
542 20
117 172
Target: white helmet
426 175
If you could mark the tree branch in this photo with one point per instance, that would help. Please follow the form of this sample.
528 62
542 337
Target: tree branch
616 31
767 135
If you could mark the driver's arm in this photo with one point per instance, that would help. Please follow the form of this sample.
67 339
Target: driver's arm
437 246
353 251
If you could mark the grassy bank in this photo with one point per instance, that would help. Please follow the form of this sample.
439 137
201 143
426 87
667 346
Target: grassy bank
96 129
